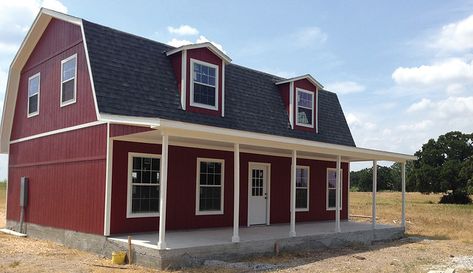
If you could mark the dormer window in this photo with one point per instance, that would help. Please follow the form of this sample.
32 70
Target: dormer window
203 85
305 108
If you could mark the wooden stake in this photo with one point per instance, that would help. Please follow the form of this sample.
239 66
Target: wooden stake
130 255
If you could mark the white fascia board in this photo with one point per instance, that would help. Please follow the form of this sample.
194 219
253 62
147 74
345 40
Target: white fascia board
130 120
191 130
208 45
307 76
238 136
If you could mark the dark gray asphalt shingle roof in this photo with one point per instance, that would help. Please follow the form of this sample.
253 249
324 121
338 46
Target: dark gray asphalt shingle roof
133 77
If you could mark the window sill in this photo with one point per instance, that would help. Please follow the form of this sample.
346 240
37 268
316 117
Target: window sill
209 212
204 106
32 114
302 210
332 209
142 215
69 102
305 125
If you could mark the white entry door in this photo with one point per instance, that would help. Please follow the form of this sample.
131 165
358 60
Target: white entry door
258 194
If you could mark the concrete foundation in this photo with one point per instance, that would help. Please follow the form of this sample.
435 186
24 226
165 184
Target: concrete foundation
193 247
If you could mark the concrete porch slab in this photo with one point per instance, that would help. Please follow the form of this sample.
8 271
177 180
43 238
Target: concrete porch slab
219 236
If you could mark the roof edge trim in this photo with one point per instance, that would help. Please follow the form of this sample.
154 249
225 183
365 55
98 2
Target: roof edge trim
208 45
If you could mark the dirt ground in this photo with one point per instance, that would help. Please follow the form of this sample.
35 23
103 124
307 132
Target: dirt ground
431 252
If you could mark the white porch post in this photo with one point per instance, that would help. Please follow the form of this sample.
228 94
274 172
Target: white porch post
375 178
162 192
236 193
292 231
403 186
337 195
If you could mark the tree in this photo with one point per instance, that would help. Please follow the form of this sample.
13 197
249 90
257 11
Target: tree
445 166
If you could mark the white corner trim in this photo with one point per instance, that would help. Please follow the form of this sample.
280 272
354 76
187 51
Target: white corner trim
108 184
89 68
59 131
129 213
316 110
73 100
223 88
341 189
184 79
200 105
300 90
197 187
291 104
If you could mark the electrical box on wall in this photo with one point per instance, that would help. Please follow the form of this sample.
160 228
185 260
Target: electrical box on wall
24 191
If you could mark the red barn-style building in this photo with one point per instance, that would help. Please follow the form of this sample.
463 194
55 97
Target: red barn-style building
119 134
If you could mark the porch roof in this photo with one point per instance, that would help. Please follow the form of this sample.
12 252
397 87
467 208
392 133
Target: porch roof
202 136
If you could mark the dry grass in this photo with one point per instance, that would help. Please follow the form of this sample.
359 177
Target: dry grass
424 216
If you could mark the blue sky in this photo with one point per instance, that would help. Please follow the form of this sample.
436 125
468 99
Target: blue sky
403 70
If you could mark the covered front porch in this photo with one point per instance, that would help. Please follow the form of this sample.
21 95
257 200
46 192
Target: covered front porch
237 144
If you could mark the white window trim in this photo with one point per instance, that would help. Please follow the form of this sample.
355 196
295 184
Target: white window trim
72 101
200 105
297 107
197 188
308 186
341 189
129 213
28 114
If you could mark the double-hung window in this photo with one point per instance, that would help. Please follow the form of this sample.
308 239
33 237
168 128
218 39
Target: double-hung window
204 81
143 185
331 188
68 80
305 108
209 193
302 188
34 83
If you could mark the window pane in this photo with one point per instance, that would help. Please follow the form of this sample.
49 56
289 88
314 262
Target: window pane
69 69
33 86
204 94
301 198
209 198
145 199
304 115
137 163
68 90
33 104
331 198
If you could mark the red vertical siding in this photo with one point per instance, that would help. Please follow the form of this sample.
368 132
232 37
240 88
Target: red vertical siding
205 55
182 189
67 179
59 41
306 85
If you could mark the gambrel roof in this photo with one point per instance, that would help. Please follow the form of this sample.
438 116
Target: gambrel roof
133 76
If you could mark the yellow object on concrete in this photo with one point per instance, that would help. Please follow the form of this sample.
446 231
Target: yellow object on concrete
118 257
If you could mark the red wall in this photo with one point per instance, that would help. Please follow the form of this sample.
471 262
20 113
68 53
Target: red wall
121 130
306 85
67 179
204 54
182 189
59 41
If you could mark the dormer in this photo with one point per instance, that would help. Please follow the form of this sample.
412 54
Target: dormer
300 95
200 70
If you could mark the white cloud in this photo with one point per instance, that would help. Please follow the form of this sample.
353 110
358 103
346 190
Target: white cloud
345 87
452 70
177 43
183 30
457 36
419 106
201 39
310 36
